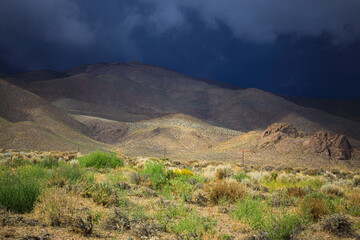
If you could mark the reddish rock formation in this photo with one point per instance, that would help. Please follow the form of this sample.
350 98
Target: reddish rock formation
329 143
282 129
277 131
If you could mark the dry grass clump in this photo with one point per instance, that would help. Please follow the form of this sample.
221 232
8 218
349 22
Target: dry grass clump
312 172
117 220
258 177
139 178
353 203
223 171
301 177
315 206
139 162
200 197
58 208
296 192
330 176
343 183
356 180
333 189
204 164
220 189
210 236
286 178
338 224
208 173
354 197
246 182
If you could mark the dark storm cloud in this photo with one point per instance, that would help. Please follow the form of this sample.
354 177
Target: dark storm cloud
252 43
264 20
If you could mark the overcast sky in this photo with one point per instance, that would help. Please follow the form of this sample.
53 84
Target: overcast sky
299 47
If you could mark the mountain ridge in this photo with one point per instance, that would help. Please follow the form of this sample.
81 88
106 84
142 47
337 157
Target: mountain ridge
148 91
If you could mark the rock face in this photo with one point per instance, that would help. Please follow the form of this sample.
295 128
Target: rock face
281 129
331 144
277 131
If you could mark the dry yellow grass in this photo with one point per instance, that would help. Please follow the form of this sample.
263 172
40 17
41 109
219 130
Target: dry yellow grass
354 197
230 190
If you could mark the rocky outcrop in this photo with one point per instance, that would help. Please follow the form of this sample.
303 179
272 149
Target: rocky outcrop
331 145
277 131
281 129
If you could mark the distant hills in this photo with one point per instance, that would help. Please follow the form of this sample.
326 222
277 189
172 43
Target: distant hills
140 108
138 91
29 122
349 109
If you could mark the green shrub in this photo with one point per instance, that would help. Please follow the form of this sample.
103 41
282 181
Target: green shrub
19 190
260 216
281 225
250 211
316 205
167 215
240 176
19 162
192 226
139 178
101 160
314 182
225 236
138 213
157 172
180 186
67 172
49 162
184 221
102 193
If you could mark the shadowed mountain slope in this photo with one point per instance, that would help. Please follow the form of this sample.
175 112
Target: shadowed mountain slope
174 134
144 91
29 122
349 109
32 76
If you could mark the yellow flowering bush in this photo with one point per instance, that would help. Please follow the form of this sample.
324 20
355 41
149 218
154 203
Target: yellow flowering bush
183 171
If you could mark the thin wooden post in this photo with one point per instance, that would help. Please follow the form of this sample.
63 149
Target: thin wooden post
329 158
243 153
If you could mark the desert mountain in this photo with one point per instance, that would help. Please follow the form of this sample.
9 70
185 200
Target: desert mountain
349 109
138 91
29 122
141 109
169 135
31 76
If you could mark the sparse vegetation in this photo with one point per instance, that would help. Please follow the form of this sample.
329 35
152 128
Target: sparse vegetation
49 162
101 160
338 224
354 202
158 199
251 211
281 225
231 190
315 206
20 189
157 173
240 177
356 180
187 223
332 189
